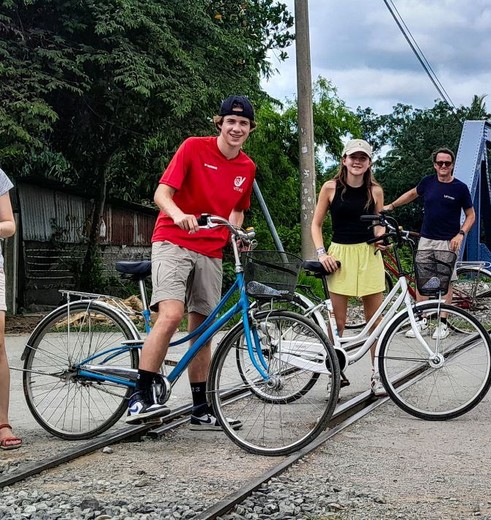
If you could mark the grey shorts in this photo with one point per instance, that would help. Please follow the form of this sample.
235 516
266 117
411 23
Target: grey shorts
437 245
187 276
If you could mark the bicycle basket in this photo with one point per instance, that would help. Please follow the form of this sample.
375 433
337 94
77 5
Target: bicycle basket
433 270
270 270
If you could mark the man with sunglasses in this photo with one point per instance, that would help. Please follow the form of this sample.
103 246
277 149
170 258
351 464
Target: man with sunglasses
444 198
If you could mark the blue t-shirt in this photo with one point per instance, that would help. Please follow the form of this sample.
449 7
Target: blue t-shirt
443 204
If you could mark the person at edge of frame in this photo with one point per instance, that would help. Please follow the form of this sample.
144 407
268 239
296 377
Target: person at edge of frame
206 175
8 441
353 192
444 198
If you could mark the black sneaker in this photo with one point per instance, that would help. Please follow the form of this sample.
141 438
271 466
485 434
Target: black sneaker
140 409
208 421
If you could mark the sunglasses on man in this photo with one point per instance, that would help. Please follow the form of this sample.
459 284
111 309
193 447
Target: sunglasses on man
443 163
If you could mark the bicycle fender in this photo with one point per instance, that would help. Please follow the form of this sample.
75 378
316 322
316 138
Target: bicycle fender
395 317
316 315
90 303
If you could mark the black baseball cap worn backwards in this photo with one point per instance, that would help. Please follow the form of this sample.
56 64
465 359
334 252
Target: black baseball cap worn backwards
237 106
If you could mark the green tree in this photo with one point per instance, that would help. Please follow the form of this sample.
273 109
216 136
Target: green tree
100 93
412 136
275 149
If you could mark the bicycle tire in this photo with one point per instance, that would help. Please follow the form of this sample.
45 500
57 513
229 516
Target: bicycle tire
273 422
443 388
299 303
254 381
472 292
355 318
62 401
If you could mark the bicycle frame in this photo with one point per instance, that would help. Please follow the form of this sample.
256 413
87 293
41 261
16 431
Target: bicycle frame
212 325
364 339
203 334
402 299
390 265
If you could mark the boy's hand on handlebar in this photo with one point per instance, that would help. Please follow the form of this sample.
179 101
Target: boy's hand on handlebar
187 223
329 262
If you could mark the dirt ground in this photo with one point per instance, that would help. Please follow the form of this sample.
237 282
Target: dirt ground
22 324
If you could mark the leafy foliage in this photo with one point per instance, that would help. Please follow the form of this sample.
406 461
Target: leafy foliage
100 93
274 147
97 87
413 135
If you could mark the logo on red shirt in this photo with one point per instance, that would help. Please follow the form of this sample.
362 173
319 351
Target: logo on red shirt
238 183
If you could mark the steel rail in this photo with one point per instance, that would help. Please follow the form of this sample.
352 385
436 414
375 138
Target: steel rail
345 415
175 419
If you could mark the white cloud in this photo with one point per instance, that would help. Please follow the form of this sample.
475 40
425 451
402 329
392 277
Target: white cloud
358 46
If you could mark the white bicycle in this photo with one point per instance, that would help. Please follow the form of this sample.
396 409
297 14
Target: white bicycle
428 376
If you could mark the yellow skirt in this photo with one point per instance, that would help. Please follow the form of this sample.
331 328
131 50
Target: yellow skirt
361 272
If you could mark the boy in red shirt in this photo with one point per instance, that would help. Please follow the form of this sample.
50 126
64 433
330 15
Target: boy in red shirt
206 175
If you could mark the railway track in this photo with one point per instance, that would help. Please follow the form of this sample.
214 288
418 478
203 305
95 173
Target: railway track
345 415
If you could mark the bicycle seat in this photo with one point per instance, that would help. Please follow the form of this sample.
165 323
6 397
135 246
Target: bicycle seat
316 268
140 269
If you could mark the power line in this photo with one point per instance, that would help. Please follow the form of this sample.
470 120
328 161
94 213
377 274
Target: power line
418 52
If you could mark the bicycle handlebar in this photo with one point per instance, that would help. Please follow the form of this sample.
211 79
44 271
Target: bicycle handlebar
394 233
208 221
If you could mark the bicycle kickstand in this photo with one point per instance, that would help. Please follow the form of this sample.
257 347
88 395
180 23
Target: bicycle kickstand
344 380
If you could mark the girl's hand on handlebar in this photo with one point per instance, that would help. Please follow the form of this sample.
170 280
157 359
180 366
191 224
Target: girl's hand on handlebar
381 245
329 262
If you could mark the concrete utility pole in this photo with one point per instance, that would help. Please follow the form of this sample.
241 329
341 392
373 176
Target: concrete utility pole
305 125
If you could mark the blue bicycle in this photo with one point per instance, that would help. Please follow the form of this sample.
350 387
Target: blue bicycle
274 369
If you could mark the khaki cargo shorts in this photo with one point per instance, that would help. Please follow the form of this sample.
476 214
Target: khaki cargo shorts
187 276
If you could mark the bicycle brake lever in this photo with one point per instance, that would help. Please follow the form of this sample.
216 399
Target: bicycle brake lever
203 219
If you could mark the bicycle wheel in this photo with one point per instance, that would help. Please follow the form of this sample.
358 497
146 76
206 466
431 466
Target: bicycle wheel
253 380
449 383
286 412
472 292
355 318
64 402
299 304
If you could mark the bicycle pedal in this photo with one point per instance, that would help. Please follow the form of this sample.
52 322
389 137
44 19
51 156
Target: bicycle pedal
344 381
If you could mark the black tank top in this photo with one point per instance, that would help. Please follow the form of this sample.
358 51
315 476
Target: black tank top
346 209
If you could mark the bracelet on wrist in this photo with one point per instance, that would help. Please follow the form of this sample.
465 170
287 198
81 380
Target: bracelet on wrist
321 251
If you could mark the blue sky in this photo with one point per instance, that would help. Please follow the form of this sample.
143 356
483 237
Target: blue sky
357 45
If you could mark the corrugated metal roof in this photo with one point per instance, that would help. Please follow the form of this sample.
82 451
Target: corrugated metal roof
49 215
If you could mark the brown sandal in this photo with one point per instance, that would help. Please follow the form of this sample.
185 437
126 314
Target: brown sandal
6 444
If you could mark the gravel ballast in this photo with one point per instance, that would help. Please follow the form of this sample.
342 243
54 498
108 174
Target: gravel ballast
386 466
